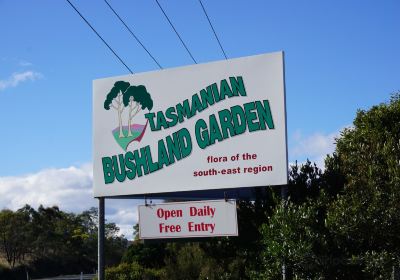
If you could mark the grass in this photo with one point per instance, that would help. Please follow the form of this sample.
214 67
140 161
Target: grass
124 141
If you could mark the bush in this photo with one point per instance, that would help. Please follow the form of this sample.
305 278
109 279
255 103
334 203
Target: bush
133 271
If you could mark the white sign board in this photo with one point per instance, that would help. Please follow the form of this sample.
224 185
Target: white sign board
209 126
188 219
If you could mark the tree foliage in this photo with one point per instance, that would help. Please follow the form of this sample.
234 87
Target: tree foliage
136 98
343 223
118 88
123 95
114 99
48 241
138 95
366 218
14 236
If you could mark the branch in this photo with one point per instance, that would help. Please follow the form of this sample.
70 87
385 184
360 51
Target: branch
116 102
133 108
137 111
119 102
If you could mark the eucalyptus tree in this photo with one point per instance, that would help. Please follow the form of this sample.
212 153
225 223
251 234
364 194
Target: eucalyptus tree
114 99
136 98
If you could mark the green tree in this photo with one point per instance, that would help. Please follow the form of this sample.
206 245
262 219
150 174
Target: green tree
48 241
147 255
137 98
238 256
365 219
14 238
114 99
343 223
306 181
288 238
190 262
295 233
115 245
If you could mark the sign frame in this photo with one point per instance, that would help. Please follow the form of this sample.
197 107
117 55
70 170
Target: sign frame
209 187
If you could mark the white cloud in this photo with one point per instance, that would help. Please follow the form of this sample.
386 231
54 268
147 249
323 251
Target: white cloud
70 189
25 63
123 212
315 147
16 78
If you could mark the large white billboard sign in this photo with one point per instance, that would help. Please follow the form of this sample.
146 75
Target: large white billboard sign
208 126
188 219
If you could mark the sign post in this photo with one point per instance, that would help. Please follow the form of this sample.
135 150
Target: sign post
100 240
216 126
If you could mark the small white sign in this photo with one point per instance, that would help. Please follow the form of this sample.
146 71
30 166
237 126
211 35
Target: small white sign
188 219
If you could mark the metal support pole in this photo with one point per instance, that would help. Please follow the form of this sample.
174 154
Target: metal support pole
283 271
285 190
284 195
100 263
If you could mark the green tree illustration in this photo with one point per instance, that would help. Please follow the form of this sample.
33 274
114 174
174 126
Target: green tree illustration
136 98
114 99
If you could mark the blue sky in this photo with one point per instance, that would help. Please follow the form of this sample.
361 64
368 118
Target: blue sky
340 56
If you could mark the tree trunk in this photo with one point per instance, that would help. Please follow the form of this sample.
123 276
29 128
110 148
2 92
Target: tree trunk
121 134
129 123
13 261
